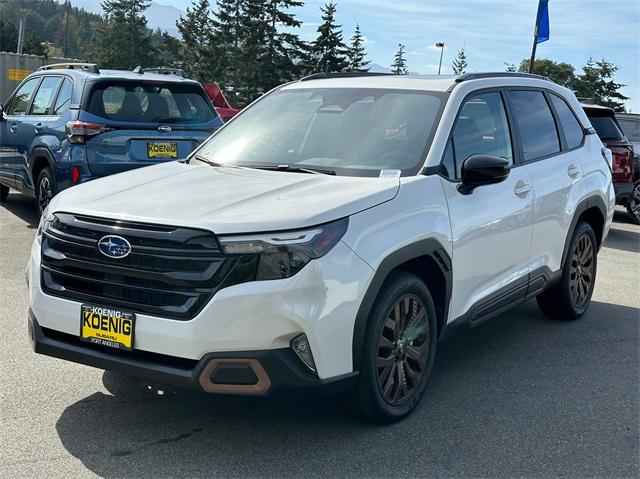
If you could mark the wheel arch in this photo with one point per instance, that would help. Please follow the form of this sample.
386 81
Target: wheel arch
428 260
594 212
40 159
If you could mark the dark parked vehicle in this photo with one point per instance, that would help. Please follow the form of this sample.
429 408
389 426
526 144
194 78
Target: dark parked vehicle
70 123
624 167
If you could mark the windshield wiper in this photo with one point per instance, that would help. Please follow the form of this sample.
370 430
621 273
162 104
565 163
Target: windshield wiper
295 169
208 161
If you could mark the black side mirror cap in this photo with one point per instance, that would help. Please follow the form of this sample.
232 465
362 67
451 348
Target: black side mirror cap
480 170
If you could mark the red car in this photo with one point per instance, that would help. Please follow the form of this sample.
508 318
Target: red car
623 170
220 103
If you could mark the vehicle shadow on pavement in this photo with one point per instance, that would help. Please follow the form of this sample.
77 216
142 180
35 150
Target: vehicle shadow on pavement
518 396
23 207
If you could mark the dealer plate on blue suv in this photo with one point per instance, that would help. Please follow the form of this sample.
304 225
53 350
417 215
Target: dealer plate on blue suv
107 326
162 149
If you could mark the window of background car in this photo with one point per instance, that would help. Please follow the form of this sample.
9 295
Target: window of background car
44 97
537 128
63 102
21 99
605 127
631 128
572 129
352 131
150 102
481 129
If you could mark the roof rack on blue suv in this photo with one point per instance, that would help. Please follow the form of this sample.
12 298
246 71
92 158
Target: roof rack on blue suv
68 123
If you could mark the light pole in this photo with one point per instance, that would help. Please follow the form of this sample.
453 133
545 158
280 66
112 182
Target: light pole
440 45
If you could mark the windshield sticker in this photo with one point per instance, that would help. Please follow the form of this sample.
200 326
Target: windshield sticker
390 173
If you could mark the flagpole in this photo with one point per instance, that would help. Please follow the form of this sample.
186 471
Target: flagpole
533 49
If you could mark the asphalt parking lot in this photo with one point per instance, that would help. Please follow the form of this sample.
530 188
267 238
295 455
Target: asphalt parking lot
520 396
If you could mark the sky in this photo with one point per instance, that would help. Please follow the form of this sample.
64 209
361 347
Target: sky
492 32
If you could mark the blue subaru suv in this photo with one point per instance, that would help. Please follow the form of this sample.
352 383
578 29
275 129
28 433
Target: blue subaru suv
70 123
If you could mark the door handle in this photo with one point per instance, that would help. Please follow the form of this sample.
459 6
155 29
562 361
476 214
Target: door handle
38 127
522 189
573 170
13 127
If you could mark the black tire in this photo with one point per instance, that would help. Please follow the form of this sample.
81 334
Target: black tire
45 188
388 393
570 297
4 192
633 203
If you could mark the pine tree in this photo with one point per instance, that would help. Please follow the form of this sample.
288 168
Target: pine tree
285 50
253 47
196 56
399 65
227 37
597 83
328 52
356 54
123 39
33 45
460 64
511 67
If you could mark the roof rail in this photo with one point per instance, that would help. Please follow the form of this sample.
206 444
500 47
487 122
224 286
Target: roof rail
320 76
87 67
162 71
478 76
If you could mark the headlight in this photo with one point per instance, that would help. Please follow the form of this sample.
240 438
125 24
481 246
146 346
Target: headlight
45 222
281 255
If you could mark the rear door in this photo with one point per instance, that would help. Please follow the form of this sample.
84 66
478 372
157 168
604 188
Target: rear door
13 138
145 122
491 227
552 158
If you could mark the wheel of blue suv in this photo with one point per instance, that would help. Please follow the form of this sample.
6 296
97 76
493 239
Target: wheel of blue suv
633 204
4 192
570 297
399 350
45 188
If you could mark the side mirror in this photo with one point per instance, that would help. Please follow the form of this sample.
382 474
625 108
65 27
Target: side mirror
479 170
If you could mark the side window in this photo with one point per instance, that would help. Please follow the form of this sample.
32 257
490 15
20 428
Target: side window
481 129
45 95
535 123
64 98
20 101
570 126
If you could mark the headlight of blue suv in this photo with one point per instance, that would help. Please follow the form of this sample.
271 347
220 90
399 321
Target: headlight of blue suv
45 222
282 254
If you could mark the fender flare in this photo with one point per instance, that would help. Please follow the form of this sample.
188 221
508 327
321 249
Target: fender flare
40 152
583 206
426 247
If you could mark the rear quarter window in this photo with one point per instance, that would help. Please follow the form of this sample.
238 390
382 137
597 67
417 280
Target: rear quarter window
572 129
130 101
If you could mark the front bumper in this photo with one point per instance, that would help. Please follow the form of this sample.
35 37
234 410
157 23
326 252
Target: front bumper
276 370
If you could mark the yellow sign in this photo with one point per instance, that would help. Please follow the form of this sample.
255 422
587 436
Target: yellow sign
17 75
107 326
162 150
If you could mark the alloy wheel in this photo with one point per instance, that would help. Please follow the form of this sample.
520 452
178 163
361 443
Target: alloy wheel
634 201
403 349
45 192
581 271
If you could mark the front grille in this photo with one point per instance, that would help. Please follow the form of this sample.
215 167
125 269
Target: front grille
171 271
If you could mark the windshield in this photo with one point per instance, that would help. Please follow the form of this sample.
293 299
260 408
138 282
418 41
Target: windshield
631 128
349 131
150 102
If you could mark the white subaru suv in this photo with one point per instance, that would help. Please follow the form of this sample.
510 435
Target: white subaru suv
328 237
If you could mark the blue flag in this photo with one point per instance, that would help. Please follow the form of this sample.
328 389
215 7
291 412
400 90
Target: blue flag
542 22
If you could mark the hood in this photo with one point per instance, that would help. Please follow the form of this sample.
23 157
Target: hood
225 200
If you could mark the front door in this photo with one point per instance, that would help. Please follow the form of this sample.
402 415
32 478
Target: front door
491 227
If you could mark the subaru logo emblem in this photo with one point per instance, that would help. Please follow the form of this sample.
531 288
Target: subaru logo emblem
114 246
164 128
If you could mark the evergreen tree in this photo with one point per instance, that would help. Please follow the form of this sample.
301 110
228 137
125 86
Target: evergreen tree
285 51
123 39
399 65
33 45
356 54
597 83
227 37
559 72
8 36
460 64
253 47
511 67
196 56
328 52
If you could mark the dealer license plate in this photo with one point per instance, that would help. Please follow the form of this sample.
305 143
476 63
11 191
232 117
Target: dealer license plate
107 326
162 149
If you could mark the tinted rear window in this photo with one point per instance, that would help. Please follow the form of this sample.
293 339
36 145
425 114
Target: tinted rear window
572 129
150 102
606 127
631 128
